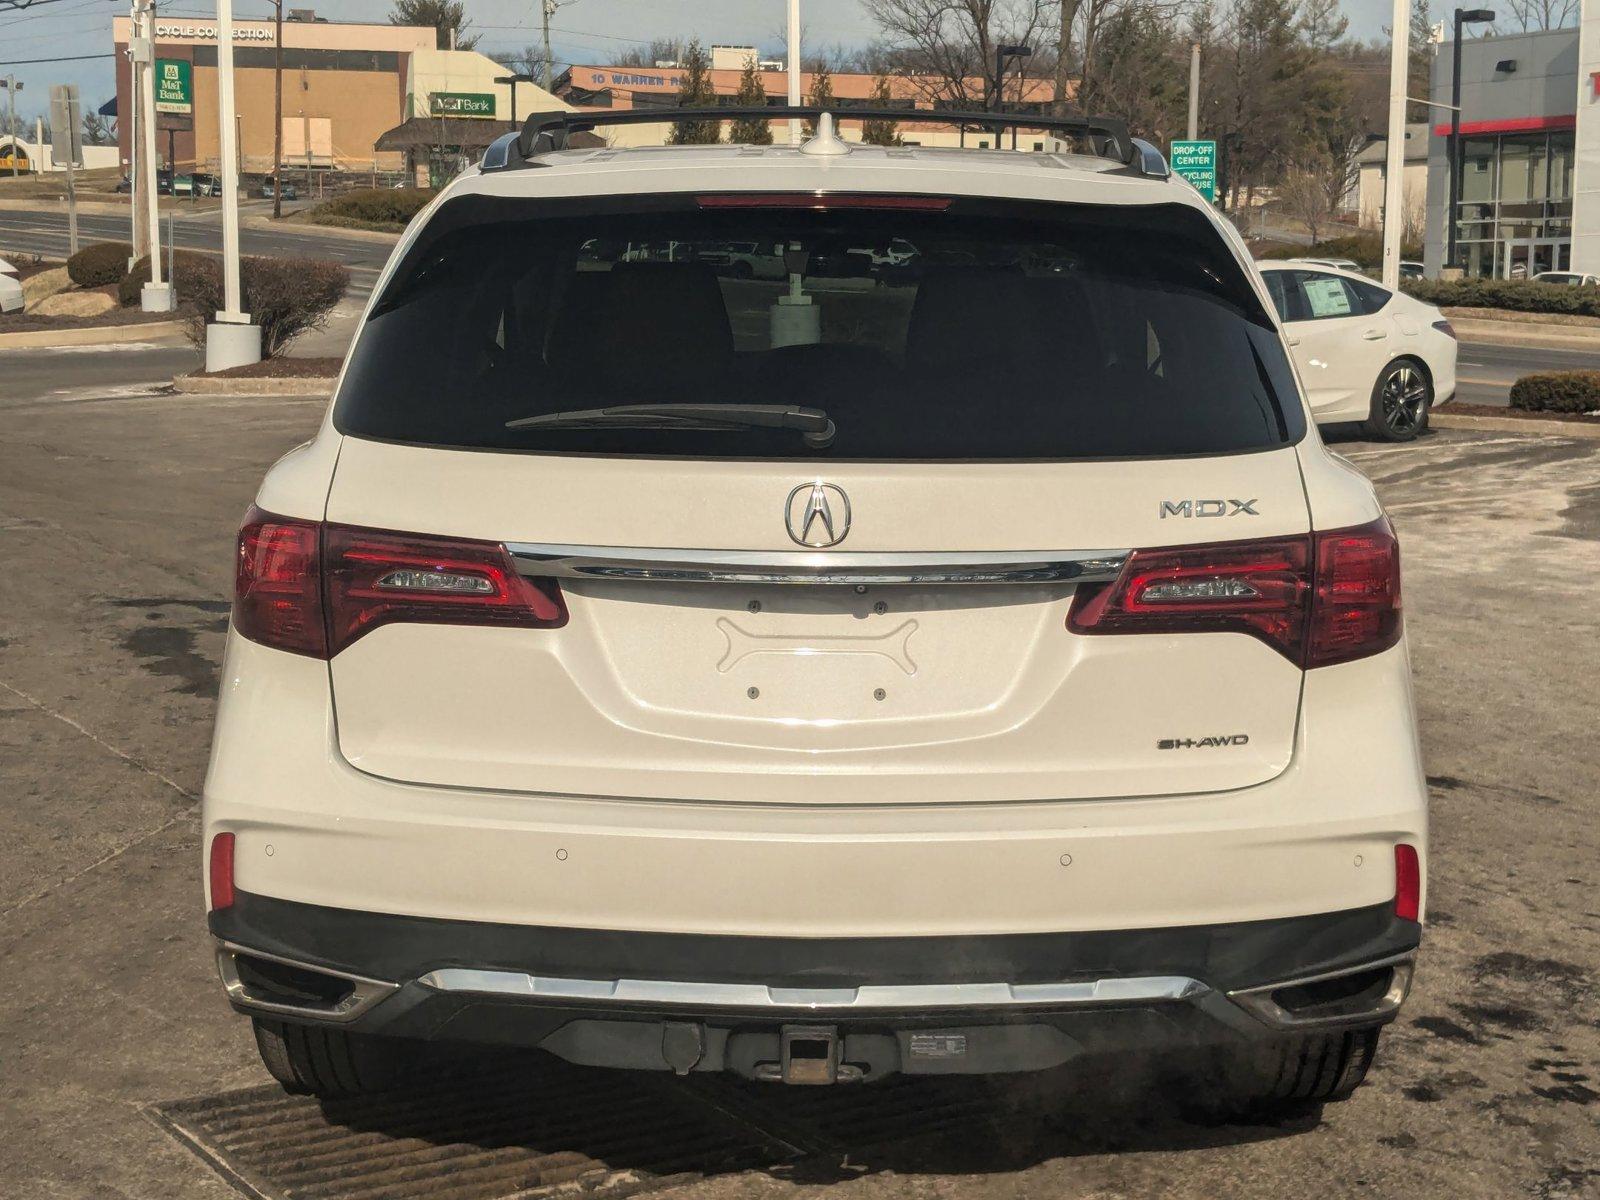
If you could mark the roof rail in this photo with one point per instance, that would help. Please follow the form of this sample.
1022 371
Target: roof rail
544 132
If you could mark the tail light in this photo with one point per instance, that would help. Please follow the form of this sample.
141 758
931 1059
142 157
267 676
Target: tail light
1445 328
1407 882
220 872
313 588
1319 599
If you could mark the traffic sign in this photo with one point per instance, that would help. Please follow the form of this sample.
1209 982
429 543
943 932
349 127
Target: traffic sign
1196 161
174 85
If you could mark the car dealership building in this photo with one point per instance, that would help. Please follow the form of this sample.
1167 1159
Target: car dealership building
1530 153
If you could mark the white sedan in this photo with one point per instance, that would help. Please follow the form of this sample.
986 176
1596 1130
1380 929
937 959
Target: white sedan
1364 353
10 288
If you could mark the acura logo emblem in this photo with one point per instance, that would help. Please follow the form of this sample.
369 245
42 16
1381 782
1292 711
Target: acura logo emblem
818 514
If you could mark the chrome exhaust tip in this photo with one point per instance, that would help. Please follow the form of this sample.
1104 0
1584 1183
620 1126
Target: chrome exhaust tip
268 983
1362 995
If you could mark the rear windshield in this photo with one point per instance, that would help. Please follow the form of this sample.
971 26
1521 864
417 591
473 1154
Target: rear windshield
922 329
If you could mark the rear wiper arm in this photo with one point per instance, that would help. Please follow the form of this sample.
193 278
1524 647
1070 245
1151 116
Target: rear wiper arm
816 430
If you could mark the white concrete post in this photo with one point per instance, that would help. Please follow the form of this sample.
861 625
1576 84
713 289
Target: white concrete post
794 69
1394 170
231 340
156 296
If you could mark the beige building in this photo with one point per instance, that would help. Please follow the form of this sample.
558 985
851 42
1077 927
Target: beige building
344 84
1413 185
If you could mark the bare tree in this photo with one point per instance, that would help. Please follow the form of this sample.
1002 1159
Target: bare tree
648 55
949 45
1304 195
1533 15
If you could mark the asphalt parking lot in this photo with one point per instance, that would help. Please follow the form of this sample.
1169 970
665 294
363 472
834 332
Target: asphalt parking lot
118 1055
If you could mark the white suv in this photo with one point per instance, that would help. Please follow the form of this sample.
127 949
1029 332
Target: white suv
962 670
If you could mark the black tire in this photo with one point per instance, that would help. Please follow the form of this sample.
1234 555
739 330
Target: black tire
743 270
1288 1076
1401 400
320 1061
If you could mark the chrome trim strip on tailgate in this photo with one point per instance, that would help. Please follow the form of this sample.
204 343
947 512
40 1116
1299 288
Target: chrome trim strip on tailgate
859 569
873 997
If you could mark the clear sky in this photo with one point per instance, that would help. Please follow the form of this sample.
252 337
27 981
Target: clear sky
585 30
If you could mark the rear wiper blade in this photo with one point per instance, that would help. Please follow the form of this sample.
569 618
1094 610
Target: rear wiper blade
816 430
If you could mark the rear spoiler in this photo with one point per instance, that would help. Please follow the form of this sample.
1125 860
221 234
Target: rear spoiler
547 132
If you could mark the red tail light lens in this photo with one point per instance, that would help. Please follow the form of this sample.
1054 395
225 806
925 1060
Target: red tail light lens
220 873
374 578
1356 609
277 589
1319 599
313 588
1407 882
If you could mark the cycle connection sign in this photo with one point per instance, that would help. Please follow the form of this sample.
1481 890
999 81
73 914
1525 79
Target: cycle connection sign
1196 161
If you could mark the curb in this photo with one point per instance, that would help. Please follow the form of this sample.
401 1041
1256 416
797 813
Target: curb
90 335
195 385
1509 333
1533 427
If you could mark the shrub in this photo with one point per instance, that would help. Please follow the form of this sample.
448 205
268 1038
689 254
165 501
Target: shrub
285 296
1519 295
1365 248
99 264
131 283
1558 391
373 206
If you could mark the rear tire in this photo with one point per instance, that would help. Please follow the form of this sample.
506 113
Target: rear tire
1400 402
319 1061
1288 1076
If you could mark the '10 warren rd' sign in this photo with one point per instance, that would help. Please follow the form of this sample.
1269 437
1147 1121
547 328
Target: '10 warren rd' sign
460 104
1196 161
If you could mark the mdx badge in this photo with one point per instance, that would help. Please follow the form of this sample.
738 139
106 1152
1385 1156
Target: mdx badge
818 514
1209 508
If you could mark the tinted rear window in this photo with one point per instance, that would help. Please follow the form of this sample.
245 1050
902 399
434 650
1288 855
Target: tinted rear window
981 330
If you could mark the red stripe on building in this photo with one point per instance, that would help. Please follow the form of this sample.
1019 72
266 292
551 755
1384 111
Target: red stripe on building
1514 125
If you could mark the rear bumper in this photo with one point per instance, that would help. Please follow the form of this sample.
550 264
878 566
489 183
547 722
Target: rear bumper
940 1004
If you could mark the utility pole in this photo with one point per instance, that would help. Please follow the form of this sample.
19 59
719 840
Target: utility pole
11 120
136 247
549 10
1395 151
277 110
231 340
793 65
1194 91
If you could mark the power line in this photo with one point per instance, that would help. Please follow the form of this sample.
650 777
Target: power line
28 62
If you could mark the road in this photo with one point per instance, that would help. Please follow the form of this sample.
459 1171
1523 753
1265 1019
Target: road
1485 371
117 513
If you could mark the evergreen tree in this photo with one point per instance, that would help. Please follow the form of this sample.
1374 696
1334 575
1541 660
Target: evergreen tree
444 15
881 133
752 93
821 93
1420 65
696 91
1322 24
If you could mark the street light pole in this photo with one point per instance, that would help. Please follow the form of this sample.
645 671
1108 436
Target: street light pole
1194 91
1002 54
1463 16
277 109
548 8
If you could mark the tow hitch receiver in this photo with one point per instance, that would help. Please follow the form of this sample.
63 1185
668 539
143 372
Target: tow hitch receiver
809 1057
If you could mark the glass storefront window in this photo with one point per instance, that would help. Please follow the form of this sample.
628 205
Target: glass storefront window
1516 207
1561 166
1478 169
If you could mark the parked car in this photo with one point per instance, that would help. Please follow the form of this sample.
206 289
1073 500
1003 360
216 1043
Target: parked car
746 260
11 296
1410 269
290 192
1364 353
994 669
1342 264
207 185
1569 278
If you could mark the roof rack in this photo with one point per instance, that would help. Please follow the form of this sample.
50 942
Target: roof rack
546 132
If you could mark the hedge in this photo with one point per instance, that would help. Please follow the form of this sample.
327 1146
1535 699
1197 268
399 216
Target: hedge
1558 392
99 264
1519 295
372 206
285 296
1363 248
131 283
